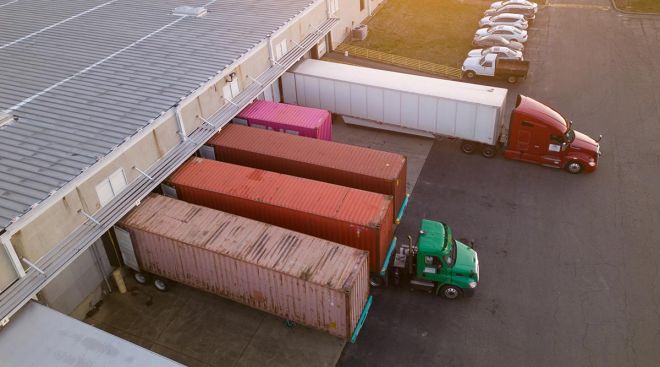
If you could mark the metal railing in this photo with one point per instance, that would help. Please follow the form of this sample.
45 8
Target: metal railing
402 61
65 252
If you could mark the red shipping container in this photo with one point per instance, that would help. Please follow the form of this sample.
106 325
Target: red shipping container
356 218
340 164
302 278
291 119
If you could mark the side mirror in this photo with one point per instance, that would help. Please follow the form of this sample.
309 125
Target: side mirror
599 137
564 146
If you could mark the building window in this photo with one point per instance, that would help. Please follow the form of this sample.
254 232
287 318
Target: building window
111 186
363 4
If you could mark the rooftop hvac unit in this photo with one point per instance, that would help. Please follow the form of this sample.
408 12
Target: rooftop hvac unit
360 32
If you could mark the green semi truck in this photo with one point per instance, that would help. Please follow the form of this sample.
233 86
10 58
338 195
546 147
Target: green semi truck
437 263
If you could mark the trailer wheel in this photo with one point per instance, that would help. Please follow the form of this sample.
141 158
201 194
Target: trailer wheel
574 167
375 281
512 79
488 151
161 284
290 323
470 74
450 292
141 278
468 147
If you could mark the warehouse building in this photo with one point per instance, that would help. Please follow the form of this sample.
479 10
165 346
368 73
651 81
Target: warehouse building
101 100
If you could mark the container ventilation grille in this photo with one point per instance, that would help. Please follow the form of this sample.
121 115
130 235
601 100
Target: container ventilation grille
190 11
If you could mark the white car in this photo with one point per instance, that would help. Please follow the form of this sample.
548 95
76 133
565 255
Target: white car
510 33
499 4
501 51
516 20
496 40
528 12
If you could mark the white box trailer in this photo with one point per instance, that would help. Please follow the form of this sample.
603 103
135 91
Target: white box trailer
397 101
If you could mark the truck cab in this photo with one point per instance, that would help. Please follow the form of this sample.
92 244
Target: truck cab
494 65
449 265
538 134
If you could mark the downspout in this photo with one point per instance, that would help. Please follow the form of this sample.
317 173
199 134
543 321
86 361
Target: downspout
179 121
271 52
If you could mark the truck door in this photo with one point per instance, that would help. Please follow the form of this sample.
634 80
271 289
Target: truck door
552 156
431 268
487 67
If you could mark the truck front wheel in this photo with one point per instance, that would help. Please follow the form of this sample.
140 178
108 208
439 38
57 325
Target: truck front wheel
450 292
468 147
470 74
574 167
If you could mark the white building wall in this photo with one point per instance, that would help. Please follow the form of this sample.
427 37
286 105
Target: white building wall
80 286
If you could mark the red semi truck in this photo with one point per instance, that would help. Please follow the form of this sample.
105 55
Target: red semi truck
434 107
538 134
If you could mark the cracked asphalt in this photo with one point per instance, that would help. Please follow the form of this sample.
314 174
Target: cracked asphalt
569 264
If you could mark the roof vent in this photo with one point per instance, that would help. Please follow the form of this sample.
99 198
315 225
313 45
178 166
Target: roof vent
190 11
6 118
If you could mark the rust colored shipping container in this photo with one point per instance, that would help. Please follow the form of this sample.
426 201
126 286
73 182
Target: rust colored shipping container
301 278
352 217
340 164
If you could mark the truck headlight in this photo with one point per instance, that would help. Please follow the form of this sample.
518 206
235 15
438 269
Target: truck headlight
473 284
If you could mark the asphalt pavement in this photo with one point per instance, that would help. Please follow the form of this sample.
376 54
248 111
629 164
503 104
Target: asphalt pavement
569 264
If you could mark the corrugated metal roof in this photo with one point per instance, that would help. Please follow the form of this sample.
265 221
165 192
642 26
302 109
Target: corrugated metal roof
39 336
83 76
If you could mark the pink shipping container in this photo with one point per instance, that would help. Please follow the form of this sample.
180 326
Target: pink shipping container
296 120
356 218
298 277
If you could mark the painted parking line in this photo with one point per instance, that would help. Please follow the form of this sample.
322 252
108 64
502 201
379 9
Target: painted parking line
578 6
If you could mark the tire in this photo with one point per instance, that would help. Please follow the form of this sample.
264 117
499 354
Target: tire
468 147
512 79
141 278
450 292
161 284
488 151
470 74
574 167
289 323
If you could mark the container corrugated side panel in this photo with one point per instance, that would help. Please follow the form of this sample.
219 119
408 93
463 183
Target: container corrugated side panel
306 121
340 164
352 217
289 274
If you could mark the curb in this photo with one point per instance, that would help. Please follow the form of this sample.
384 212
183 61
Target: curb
631 12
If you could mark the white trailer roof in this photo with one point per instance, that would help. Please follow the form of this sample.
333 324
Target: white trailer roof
39 336
467 92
